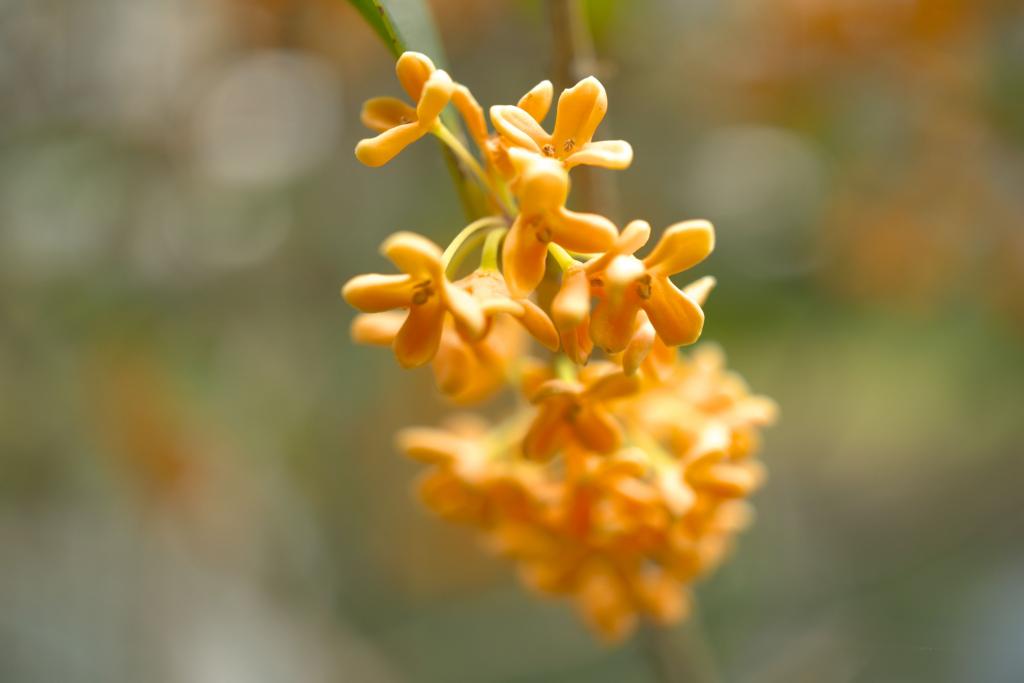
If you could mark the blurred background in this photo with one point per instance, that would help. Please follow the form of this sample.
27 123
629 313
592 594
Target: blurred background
197 480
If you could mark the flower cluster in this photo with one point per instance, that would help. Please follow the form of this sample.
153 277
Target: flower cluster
619 480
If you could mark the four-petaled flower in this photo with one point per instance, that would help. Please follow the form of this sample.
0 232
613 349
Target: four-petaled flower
624 284
424 289
581 109
399 124
577 412
542 187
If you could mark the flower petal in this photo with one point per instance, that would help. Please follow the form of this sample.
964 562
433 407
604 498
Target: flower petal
633 236
571 304
612 386
537 102
614 154
437 92
373 292
380 150
700 289
538 324
436 446
523 259
413 254
576 342
681 246
580 110
465 310
677 318
413 69
420 336
376 329
614 320
384 113
582 232
519 128
639 346
543 184
472 113
548 431
597 429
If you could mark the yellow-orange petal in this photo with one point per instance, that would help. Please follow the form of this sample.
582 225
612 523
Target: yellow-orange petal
582 232
677 318
543 184
413 69
580 110
437 93
413 254
472 113
611 386
523 259
537 102
379 150
451 363
538 324
633 236
576 342
597 429
417 341
547 433
468 314
519 128
374 293
681 246
613 154
700 289
639 346
384 113
571 304
679 497
376 329
612 323
435 446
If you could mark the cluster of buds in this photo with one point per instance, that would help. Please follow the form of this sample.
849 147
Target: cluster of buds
618 480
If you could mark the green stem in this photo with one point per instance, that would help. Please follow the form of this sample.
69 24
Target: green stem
467 237
564 258
470 162
489 255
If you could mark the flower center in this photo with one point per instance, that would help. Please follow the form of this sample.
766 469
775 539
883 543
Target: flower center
422 292
643 286
549 150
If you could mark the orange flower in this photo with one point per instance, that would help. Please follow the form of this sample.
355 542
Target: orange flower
625 284
581 109
542 188
399 124
577 412
570 311
647 349
424 290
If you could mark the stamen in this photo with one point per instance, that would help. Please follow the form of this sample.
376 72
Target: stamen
549 150
643 286
423 293
569 145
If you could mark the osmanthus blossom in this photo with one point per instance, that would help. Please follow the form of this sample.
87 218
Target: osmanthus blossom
542 188
398 124
424 290
634 296
580 111
617 481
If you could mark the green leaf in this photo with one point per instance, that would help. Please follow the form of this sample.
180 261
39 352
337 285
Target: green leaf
403 25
